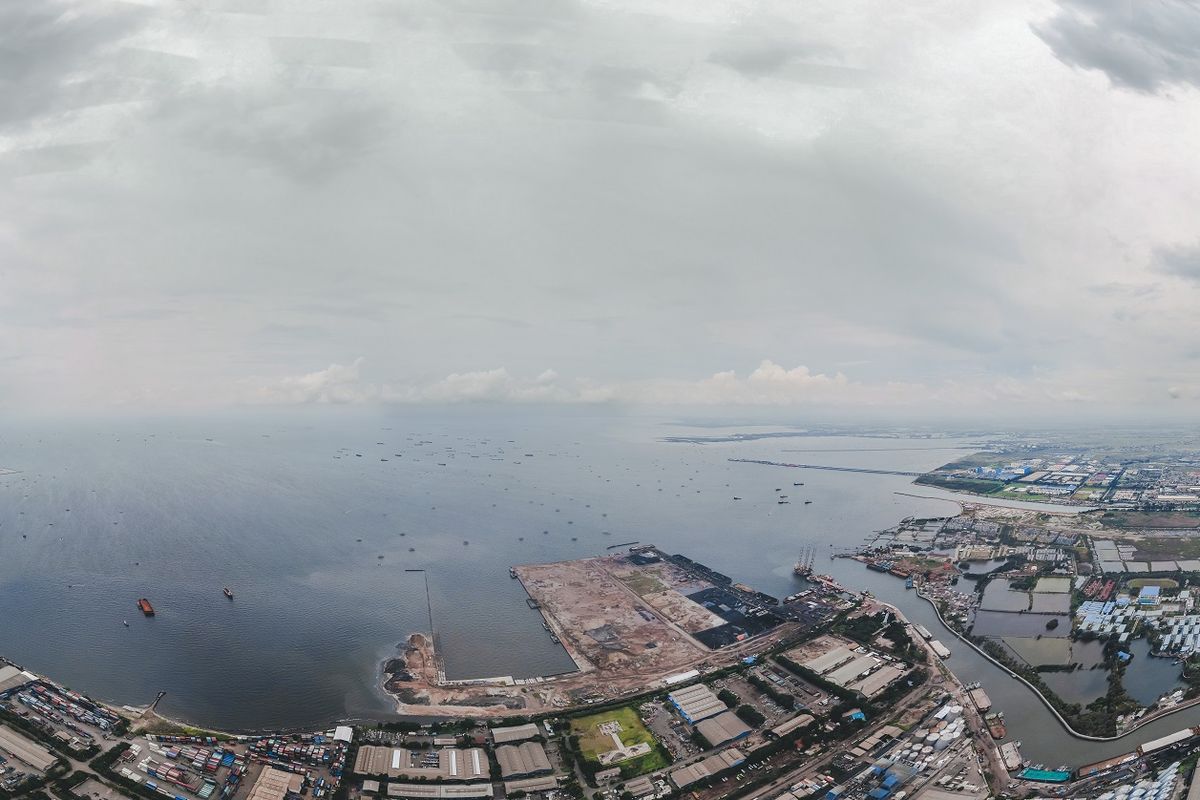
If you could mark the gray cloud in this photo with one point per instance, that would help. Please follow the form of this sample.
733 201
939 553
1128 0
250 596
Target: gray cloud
464 193
1182 261
1145 46
58 54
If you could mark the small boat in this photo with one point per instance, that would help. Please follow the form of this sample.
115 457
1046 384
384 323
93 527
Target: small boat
144 606
808 502
125 622
228 592
512 573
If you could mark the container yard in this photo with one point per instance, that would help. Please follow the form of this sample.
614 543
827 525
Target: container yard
205 767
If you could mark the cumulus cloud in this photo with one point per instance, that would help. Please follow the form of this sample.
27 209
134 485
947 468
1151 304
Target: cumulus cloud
768 385
1138 45
336 384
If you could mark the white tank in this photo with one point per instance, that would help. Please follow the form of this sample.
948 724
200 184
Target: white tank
941 744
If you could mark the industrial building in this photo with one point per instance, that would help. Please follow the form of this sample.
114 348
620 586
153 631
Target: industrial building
448 763
847 673
514 733
793 724
718 762
696 703
13 678
25 750
525 760
440 791
528 785
877 681
723 728
275 784
828 661
640 786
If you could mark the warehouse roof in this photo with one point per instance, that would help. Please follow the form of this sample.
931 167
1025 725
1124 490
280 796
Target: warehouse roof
449 762
844 674
827 661
274 784
878 680
543 784
696 702
686 776
514 733
724 727
25 749
11 677
640 786
439 791
792 724
523 760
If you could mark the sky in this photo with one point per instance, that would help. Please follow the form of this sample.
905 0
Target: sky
949 206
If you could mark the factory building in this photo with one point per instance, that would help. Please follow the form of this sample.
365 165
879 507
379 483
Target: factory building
695 703
723 728
514 733
524 760
718 762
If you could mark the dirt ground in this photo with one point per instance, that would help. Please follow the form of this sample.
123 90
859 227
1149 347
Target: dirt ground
619 642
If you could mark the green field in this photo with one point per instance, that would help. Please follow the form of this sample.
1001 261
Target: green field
1150 519
643 583
1163 583
592 742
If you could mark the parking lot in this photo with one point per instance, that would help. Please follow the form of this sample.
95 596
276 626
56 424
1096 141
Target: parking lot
669 729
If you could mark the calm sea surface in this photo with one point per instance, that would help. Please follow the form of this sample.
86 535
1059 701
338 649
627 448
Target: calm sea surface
302 516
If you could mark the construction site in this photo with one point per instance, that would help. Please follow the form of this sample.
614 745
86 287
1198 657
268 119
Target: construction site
630 621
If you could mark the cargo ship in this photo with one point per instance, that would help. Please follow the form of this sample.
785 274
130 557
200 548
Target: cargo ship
995 725
145 607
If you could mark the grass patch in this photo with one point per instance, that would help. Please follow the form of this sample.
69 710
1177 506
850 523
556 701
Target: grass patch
643 583
1150 519
960 484
593 742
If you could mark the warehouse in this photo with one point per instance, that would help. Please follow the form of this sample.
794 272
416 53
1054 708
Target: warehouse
877 681
13 678
25 750
440 791
723 728
525 760
514 733
844 674
274 784
696 703
1163 743
449 763
528 785
827 661
793 724
640 786
718 762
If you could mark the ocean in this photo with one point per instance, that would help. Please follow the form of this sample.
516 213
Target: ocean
316 520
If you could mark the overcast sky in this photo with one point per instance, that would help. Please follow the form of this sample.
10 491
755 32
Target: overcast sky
936 204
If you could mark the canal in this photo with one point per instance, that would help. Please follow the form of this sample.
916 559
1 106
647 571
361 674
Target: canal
1043 738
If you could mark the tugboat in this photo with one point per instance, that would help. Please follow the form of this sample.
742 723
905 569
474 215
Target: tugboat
144 606
228 592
